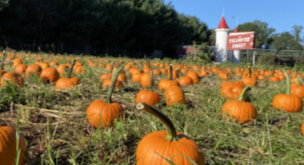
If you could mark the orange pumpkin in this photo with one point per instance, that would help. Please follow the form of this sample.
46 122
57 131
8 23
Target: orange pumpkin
32 69
149 97
174 95
165 83
101 113
239 109
158 146
49 75
232 90
287 102
185 81
194 76
8 146
20 69
145 80
11 78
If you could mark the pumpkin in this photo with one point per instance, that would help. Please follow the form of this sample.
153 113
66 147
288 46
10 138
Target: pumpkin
66 83
11 78
250 80
145 80
54 64
287 102
32 69
20 69
185 81
297 88
165 83
232 90
105 76
17 61
174 95
136 77
239 109
8 147
49 75
194 76
149 97
160 146
104 113
273 79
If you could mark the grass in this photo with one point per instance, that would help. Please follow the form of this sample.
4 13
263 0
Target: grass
54 123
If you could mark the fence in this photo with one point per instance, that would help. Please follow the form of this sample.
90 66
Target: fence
273 57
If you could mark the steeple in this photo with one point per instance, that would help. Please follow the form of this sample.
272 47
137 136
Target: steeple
223 24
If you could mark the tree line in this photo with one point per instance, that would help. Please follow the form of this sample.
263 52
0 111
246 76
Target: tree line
112 26
132 27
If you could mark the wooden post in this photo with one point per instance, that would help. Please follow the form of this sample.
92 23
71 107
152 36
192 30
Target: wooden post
253 57
248 56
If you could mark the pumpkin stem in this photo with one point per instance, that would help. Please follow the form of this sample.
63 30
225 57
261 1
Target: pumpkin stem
172 135
114 79
241 98
71 68
287 82
170 72
151 80
3 59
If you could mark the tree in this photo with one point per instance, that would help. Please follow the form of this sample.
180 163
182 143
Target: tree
262 32
285 41
3 3
296 31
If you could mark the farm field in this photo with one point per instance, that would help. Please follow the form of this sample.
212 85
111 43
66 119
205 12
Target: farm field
55 126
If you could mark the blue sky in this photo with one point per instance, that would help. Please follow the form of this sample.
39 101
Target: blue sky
279 14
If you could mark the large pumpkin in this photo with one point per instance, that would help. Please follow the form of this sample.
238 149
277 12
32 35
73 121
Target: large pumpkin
157 148
8 147
103 113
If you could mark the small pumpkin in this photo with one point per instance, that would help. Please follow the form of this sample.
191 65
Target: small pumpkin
160 146
194 76
49 75
8 147
149 97
66 83
287 102
32 69
239 109
20 69
185 81
174 95
12 78
104 113
145 80
231 90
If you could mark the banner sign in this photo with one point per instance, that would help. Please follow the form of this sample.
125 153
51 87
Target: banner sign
240 40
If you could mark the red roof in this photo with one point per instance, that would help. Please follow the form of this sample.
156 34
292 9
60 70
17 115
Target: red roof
236 30
223 24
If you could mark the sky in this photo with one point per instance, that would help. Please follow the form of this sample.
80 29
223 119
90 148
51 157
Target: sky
279 14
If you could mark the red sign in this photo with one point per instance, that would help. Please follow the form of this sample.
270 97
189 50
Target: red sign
240 40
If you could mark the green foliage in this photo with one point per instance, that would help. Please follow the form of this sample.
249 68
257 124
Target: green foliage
262 32
10 93
286 41
110 25
266 59
3 3
202 53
